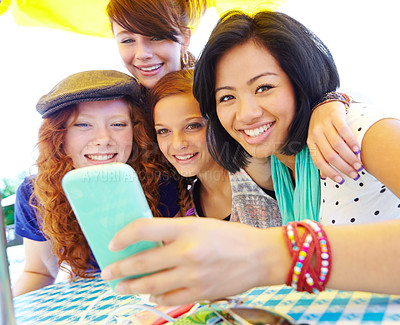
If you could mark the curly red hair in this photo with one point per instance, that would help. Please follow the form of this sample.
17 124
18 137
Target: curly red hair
54 212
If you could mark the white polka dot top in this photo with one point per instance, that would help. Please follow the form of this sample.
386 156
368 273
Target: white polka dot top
366 199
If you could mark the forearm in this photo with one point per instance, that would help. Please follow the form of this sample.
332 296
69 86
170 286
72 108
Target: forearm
30 281
365 257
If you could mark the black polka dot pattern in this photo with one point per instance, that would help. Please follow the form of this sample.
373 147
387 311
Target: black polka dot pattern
364 200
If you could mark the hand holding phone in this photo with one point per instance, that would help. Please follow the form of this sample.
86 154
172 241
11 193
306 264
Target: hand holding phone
105 198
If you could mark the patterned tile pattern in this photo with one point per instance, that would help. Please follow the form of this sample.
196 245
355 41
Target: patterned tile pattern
64 303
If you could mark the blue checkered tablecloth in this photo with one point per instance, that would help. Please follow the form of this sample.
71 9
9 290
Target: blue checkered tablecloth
64 303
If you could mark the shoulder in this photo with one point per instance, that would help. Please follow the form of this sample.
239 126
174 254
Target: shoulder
25 190
26 221
361 118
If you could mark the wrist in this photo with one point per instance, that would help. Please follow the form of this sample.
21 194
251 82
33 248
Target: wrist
306 274
274 257
333 96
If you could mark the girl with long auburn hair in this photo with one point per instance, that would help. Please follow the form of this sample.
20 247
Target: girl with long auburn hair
90 118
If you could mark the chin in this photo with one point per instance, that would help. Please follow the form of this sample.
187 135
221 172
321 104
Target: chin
259 153
187 174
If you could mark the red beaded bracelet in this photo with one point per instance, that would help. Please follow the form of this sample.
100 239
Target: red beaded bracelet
302 276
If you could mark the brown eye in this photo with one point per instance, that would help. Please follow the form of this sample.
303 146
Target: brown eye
193 126
263 88
226 98
162 131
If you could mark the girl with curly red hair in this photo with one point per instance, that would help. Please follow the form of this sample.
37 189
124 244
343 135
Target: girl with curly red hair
90 118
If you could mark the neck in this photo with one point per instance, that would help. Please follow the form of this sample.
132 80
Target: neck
214 179
215 193
288 161
260 172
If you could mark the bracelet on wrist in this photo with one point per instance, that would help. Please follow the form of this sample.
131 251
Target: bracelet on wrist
333 96
302 276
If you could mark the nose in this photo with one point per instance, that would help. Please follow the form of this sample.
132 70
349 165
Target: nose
102 137
248 110
143 50
179 141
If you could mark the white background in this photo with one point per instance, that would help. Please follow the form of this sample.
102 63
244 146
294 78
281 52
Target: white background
361 34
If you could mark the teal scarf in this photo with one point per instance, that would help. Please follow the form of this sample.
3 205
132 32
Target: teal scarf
302 202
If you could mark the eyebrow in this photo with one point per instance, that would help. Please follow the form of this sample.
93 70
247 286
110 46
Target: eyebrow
250 82
123 33
189 119
92 116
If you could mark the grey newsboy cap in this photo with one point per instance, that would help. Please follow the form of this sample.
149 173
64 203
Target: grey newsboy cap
88 86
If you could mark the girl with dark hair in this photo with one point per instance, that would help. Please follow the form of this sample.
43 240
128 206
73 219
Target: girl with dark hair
90 118
267 115
153 37
181 136
256 81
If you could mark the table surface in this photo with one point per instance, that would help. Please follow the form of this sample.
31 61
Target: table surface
64 303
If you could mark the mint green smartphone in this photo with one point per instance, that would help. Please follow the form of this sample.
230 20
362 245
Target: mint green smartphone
106 198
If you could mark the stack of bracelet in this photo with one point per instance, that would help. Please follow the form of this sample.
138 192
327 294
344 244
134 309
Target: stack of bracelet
332 97
302 276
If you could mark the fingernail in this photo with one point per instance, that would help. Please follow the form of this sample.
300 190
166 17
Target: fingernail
339 180
357 166
356 150
111 246
323 178
360 169
106 274
354 175
120 288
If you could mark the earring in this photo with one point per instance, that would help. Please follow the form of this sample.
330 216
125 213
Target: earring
185 59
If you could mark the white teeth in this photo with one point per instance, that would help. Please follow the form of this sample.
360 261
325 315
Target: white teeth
184 157
258 131
100 157
154 67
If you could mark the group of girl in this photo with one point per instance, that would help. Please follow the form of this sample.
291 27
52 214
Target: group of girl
233 135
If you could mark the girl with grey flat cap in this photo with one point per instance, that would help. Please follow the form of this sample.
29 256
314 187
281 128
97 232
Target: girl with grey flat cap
89 118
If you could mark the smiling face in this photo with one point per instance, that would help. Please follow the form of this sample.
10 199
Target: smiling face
100 133
181 135
255 99
149 58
